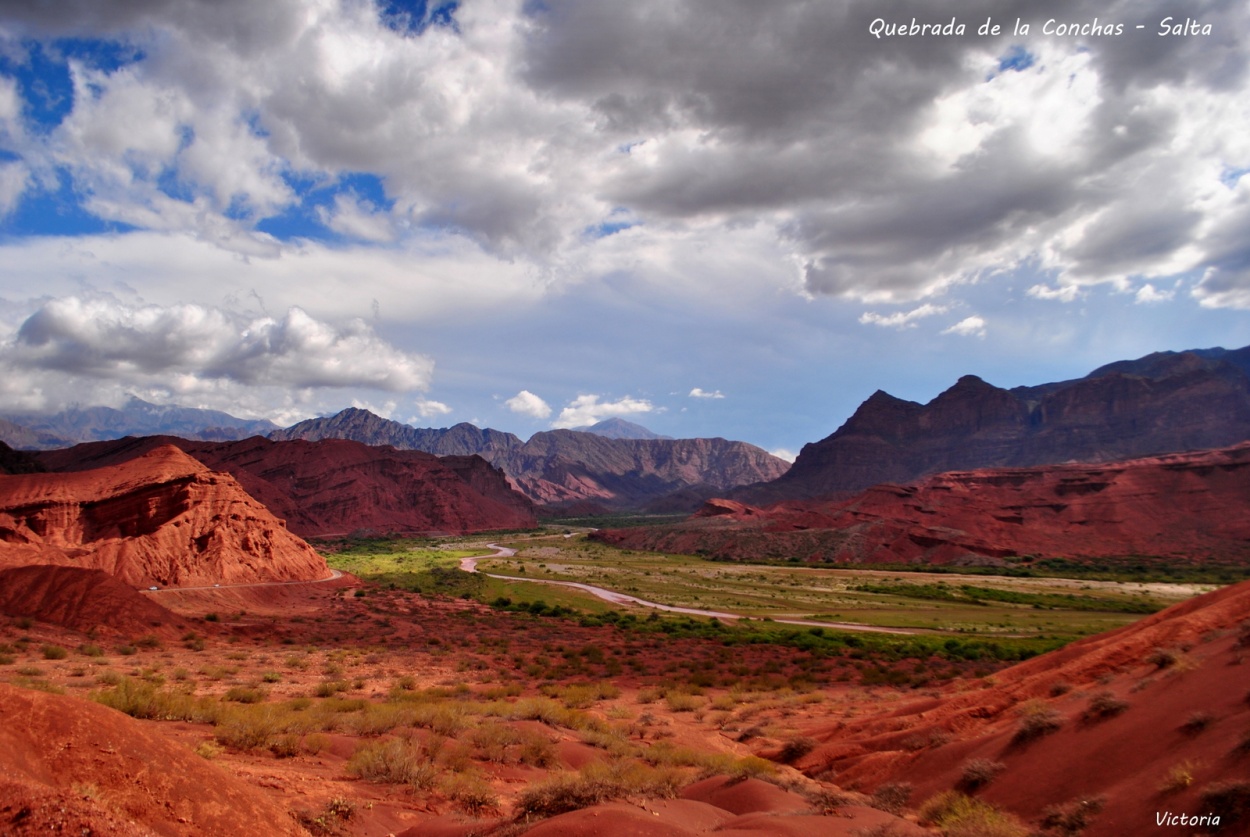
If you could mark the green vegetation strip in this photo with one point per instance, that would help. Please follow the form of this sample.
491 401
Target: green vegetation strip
984 595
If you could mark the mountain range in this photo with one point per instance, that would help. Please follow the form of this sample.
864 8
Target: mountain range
607 467
1164 402
33 431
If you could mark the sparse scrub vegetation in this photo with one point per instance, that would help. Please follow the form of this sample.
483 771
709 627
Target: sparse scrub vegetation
396 761
1071 818
958 815
1104 705
595 783
1229 800
1036 720
977 773
892 797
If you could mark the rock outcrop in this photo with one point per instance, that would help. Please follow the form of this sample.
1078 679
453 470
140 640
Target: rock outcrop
162 518
1144 719
87 601
569 468
339 487
1182 507
1162 403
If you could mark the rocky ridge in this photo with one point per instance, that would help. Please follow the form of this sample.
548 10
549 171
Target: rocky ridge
162 518
1182 507
1162 403
571 468
339 487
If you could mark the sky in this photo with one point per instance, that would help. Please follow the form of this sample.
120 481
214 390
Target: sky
711 217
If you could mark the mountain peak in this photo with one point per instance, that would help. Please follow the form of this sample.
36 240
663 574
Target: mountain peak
618 428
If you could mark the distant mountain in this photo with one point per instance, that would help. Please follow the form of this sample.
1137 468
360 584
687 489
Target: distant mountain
1162 403
463 439
569 467
338 487
23 438
135 418
617 428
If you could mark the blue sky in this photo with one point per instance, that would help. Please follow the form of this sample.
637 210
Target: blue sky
714 219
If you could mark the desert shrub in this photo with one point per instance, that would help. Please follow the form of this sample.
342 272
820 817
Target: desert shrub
1036 719
143 700
271 677
127 650
1071 818
1197 722
286 745
1230 801
314 743
892 797
1162 658
828 800
250 728
1178 777
245 694
957 815
444 718
796 748
7 659
330 688
536 749
471 794
329 822
396 761
1104 705
208 750
148 642
493 741
596 782
91 650
977 773
1060 688
377 719
679 702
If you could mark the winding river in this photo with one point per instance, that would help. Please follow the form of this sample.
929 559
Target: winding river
470 565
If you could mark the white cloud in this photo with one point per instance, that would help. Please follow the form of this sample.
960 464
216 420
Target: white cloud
13 180
429 409
973 326
527 403
358 219
586 409
1064 293
700 393
1147 294
901 319
192 344
782 453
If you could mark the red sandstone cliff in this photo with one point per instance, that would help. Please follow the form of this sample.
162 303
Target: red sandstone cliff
1182 506
162 518
335 486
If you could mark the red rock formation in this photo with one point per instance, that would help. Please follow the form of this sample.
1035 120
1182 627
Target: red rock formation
1160 673
83 601
1183 506
162 518
335 487
51 747
1159 404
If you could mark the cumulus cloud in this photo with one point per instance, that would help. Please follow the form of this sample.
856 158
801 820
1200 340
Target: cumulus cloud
973 326
892 169
587 409
1147 293
427 409
190 343
527 403
701 393
901 319
13 179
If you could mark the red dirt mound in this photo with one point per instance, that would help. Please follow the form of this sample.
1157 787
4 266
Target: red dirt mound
337 487
69 762
162 518
83 600
1178 506
1145 719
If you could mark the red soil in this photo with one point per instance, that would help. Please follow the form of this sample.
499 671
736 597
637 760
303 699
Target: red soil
1178 506
72 766
84 600
162 518
1185 663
